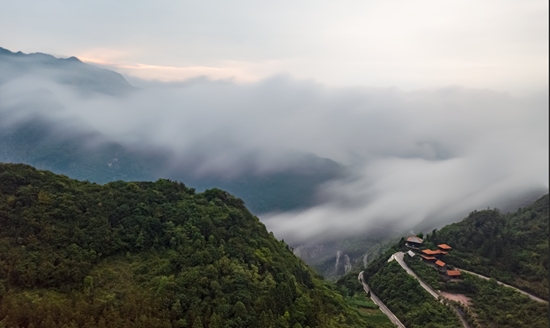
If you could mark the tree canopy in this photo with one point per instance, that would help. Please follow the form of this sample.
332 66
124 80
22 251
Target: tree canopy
147 254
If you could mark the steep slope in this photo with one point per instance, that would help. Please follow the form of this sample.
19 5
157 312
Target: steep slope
147 254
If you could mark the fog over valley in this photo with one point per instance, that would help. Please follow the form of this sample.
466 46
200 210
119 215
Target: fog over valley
383 158
304 164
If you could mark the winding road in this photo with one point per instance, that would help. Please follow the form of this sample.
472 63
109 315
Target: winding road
399 258
378 302
531 296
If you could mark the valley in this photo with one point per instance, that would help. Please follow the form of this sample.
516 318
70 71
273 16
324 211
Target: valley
164 224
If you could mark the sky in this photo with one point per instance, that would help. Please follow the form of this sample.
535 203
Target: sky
494 44
434 108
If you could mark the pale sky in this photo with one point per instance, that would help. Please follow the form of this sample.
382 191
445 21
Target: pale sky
500 45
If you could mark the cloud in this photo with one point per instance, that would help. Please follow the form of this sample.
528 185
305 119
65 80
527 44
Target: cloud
242 72
410 156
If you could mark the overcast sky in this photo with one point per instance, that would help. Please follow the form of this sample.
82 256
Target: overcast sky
497 44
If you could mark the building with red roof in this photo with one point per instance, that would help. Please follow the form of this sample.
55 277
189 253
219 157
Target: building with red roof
454 274
436 253
425 258
441 265
444 247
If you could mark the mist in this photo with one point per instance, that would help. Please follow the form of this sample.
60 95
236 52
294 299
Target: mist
408 156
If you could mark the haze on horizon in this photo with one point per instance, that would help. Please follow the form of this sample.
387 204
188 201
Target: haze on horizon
500 45
433 108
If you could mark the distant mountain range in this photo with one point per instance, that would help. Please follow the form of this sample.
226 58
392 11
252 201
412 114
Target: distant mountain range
75 149
67 71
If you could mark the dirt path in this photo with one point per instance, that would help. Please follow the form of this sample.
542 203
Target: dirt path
457 297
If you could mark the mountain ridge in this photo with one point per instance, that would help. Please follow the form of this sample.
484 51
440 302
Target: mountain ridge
68 71
148 254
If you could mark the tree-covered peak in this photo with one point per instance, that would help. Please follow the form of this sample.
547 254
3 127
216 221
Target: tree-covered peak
152 254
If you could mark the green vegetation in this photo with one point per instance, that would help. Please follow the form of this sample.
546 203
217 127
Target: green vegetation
414 306
404 296
512 248
494 305
427 273
369 311
148 254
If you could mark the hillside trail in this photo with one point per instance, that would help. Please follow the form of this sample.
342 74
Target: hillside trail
399 258
378 302
531 296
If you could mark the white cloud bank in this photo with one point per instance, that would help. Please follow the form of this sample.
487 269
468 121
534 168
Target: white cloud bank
410 155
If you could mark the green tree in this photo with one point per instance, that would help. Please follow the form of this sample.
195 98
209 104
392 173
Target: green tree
239 310
197 323
215 321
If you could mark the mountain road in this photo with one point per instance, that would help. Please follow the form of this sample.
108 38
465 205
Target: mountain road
378 302
531 296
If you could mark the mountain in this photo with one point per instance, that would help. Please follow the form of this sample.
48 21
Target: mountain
510 248
66 71
356 251
147 254
31 133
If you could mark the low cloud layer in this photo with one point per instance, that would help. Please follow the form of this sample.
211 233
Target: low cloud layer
410 156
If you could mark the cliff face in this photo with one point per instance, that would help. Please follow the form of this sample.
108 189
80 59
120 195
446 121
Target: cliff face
343 263
326 259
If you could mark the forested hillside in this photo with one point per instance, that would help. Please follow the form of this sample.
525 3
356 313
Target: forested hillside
512 248
147 254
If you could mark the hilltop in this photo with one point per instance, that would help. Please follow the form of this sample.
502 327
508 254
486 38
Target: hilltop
147 254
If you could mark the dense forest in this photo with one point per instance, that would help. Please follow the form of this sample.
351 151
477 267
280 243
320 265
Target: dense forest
148 254
512 248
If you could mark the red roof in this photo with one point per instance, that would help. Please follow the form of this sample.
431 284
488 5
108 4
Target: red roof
439 263
445 246
427 257
430 252
453 273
